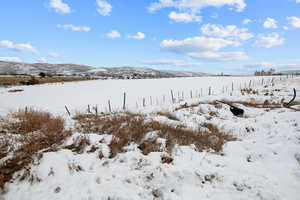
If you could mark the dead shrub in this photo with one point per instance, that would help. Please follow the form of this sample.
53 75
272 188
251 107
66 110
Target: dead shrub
79 144
131 128
30 120
38 131
166 159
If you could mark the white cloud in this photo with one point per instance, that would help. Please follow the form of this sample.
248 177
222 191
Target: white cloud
230 31
74 28
179 63
184 17
41 60
138 36
204 48
53 54
104 8
113 34
10 59
297 1
246 21
268 41
18 47
285 28
294 21
188 8
196 5
60 7
270 23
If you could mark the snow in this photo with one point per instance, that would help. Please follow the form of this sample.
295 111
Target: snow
77 95
262 164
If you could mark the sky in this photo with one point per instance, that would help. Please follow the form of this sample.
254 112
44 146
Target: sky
213 36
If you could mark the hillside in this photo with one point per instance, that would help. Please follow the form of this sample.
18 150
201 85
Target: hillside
10 68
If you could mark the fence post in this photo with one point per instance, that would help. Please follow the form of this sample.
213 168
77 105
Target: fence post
68 111
172 96
124 101
109 107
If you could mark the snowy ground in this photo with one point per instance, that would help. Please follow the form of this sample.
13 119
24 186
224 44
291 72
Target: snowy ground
264 163
77 95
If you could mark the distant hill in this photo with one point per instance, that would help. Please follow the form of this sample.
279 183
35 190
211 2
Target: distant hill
290 72
11 68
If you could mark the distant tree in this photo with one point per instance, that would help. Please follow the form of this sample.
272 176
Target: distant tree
42 75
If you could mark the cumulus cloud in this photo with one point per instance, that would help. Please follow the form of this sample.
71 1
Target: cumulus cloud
231 31
60 7
104 8
179 63
138 36
270 23
268 41
204 48
285 28
72 27
18 47
10 59
294 21
184 17
246 21
53 54
190 8
197 5
113 34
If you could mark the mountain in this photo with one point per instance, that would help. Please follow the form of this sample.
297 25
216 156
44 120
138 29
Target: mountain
11 68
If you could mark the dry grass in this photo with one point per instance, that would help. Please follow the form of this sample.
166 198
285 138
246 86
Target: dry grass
184 106
17 80
128 128
249 91
36 131
30 120
168 115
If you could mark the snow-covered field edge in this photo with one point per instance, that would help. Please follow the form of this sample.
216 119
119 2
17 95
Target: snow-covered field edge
263 163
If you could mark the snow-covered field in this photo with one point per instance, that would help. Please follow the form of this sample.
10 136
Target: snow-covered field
77 95
263 164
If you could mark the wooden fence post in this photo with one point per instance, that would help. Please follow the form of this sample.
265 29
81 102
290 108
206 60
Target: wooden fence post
68 111
124 101
172 96
109 106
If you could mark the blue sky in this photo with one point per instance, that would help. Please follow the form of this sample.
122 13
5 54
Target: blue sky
230 36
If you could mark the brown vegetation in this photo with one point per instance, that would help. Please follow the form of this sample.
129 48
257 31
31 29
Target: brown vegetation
27 80
30 120
35 131
128 128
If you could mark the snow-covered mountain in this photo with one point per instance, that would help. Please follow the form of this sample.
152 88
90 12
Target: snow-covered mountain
73 69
